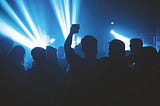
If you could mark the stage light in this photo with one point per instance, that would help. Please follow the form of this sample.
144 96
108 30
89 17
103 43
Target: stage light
75 10
8 31
32 21
13 15
65 14
57 8
112 22
30 25
52 40
121 37
28 18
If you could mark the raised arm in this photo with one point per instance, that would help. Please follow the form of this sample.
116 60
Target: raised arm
74 29
68 42
70 53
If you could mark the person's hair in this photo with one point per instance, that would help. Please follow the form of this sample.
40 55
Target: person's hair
88 40
116 48
89 45
17 54
147 56
38 53
137 41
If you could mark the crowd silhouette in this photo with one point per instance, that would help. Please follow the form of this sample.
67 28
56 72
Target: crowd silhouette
76 77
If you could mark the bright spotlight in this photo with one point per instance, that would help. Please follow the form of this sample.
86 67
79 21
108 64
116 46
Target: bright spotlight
52 40
8 31
28 18
112 22
75 10
13 15
32 30
57 7
66 15
121 37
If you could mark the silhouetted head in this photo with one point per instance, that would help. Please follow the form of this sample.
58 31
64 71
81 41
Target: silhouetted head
135 43
116 48
51 53
17 54
146 57
89 46
38 55
5 46
51 50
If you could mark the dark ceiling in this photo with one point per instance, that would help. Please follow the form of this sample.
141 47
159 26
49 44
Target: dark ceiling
138 15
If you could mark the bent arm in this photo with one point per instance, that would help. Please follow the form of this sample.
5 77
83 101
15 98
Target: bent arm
70 53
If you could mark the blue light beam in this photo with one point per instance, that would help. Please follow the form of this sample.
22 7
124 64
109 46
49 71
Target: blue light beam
57 8
120 37
75 10
28 18
13 15
67 14
8 31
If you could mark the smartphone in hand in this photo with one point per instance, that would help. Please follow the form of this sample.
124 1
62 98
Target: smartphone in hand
75 28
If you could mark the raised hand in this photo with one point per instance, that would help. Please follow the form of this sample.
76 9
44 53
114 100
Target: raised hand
74 28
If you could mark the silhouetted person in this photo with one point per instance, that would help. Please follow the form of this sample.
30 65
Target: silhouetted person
116 56
82 70
16 74
5 46
147 76
135 45
40 80
51 58
115 74
146 59
16 62
55 71
39 57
